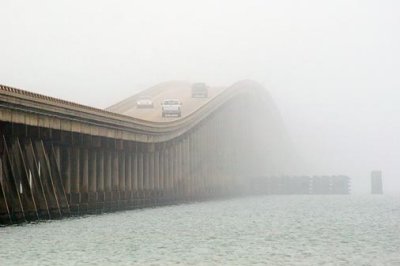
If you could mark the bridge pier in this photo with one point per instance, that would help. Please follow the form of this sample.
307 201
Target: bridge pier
161 168
135 177
66 159
141 176
176 171
166 173
84 180
75 192
100 166
170 180
121 178
92 189
108 175
128 177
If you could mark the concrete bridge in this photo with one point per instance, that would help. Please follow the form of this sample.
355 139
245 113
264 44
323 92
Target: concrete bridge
60 158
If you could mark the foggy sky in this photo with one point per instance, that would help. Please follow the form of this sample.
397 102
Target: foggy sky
332 67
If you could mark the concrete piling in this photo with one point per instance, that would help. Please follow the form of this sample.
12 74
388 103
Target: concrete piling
376 182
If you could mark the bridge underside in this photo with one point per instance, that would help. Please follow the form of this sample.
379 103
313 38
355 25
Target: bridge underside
49 173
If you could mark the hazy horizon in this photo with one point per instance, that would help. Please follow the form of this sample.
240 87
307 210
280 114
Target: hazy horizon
331 67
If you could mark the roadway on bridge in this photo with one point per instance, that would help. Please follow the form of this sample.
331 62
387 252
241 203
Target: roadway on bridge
168 90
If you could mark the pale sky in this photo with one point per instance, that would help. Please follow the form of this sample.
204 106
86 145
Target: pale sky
333 67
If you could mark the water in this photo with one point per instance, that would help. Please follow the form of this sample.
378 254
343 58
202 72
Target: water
265 230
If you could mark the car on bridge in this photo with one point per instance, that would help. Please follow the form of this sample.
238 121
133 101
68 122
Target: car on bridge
171 107
144 102
199 90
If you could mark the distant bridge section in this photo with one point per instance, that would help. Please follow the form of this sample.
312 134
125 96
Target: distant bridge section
60 158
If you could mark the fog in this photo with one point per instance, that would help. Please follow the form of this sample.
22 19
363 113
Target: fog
332 67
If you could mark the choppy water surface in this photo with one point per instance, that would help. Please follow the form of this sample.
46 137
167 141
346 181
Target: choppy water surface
266 230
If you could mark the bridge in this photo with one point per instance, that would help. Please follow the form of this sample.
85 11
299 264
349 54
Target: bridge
60 158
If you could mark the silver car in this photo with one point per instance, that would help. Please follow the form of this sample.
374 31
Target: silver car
171 107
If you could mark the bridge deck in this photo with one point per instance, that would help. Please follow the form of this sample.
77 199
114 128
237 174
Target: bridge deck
174 89
123 120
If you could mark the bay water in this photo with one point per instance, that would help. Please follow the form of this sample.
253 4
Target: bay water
259 230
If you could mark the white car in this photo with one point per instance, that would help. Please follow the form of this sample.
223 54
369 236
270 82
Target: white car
171 107
144 102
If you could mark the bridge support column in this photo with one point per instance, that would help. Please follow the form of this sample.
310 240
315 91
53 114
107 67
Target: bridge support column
165 156
202 172
178 169
198 171
214 174
140 176
180 181
151 174
182 174
157 174
75 192
194 162
190 165
66 170
84 184
175 171
145 171
146 174
92 170
100 180
108 173
135 177
92 194
170 177
161 171
115 179
121 179
57 154
186 167
128 177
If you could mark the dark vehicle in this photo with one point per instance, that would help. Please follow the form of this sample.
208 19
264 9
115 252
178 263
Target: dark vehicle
199 90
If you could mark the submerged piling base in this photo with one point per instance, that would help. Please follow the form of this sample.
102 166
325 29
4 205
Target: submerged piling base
105 202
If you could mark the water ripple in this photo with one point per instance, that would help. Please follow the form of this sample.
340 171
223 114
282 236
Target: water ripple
270 230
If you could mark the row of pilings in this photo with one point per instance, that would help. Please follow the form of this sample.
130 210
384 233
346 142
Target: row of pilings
297 185
51 174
